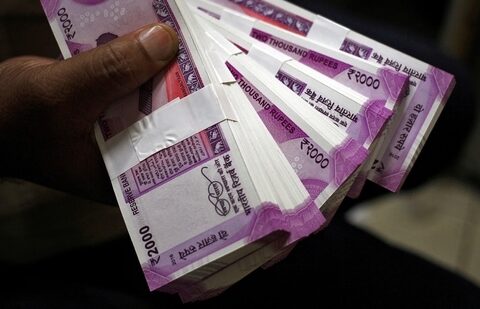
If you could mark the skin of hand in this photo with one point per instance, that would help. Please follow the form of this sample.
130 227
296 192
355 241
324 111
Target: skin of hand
48 109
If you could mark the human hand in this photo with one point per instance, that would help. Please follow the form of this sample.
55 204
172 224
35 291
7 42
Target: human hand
48 108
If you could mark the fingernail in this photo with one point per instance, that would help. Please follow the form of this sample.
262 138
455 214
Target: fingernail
159 42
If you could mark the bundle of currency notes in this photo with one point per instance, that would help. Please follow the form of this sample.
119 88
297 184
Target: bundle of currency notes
250 140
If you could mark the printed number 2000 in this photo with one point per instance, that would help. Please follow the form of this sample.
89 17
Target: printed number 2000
148 242
66 23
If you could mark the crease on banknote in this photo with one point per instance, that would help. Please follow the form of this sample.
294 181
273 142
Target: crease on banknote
445 82
162 129
376 115
348 157
397 83
270 58
299 222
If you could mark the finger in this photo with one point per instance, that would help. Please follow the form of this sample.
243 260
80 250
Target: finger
98 77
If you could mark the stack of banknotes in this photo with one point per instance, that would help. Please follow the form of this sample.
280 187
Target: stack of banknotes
252 137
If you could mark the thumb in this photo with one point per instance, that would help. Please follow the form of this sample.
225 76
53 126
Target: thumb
98 77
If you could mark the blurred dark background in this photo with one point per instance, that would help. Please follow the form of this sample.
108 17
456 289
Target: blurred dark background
436 218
